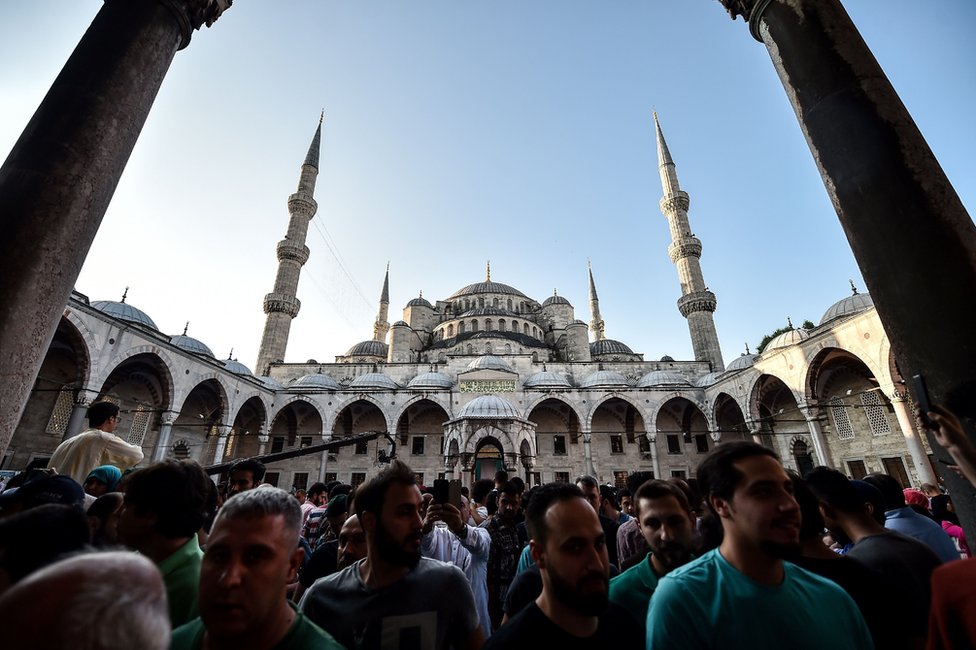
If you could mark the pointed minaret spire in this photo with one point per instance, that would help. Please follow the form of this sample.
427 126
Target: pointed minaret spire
382 326
596 321
696 303
282 304
488 271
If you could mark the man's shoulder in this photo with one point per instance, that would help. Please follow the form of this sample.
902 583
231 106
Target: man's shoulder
346 580
701 569
188 636
812 581
430 569
629 577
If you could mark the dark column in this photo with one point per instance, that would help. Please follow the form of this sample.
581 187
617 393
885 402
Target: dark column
913 239
60 176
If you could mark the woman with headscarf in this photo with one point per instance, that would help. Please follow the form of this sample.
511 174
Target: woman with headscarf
944 513
102 480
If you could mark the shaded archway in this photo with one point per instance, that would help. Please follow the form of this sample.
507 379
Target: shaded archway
729 420
298 424
420 438
358 417
682 437
777 414
142 387
249 422
201 413
619 442
488 459
558 439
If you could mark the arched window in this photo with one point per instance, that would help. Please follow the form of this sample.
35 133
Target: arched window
525 328
508 348
494 302
461 327
488 325
509 304
450 330
501 324
481 302
801 454
470 349
474 326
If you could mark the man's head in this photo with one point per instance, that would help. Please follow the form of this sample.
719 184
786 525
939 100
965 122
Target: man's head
37 537
481 489
94 600
930 490
388 506
252 555
104 416
103 519
569 547
337 512
166 499
300 496
747 487
609 505
666 522
626 499
352 542
501 478
811 521
316 494
509 500
840 500
245 475
891 490
591 490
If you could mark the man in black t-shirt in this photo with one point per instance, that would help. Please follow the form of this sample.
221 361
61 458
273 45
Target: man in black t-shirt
570 548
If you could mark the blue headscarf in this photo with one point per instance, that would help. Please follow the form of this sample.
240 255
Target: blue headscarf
107 474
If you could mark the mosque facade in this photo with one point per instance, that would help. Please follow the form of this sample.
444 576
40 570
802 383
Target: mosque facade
483 379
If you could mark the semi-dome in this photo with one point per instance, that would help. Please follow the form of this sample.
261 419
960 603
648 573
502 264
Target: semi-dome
555 299
369 349
125 312
270 382
609 346
662 378
547 380
742 362
605 379
374 380
489 407
490 362
316 381
847 306
237 367
787 338
191 344
487 287
432 381
420 302
707 380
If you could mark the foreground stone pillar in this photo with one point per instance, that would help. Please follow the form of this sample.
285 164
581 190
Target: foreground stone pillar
907 423
655 463
912 238
60 175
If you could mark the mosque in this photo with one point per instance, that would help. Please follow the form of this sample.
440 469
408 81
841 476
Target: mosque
483 379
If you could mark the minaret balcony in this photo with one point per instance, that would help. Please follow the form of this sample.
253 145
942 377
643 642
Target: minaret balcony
675 201
302 204
280 303
689 246
288 250
697 301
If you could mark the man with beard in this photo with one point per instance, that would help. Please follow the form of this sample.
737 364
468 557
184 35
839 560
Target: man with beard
665 520
743 594
505 550
394 598
570 548
333 556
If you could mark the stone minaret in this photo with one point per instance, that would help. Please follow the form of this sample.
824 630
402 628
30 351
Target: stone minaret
382 326
282 305
596 322
696 303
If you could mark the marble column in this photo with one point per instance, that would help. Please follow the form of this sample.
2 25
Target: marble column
222 432
907 423
163 441
587 455
820 445
79 413
655 462
324 460
262 444
59 177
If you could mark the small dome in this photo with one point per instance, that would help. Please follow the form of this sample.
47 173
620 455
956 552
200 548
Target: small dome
125 312
271 383
487 287
237 367
608 346
190 344
707 380
547 380
667 358
786 339
401 323
605 379
420 302
555 299
663 378
431 380
742 362
579 322
490 362
369 349
489 407
316 381
374 380
849 305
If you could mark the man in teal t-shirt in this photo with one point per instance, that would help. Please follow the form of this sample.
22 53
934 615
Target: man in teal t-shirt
743 594
666 522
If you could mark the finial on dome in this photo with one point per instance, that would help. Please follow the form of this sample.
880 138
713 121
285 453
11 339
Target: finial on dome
747 348
554 292
230 357
853 288
125 294
488 272
186 327
789 323
421 293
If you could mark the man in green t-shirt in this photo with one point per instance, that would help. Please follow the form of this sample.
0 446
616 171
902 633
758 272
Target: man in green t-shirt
665 520
252 555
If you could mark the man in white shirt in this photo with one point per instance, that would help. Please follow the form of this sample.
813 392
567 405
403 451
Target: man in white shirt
77 456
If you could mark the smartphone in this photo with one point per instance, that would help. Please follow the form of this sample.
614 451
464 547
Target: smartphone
441 490
922 396
454 493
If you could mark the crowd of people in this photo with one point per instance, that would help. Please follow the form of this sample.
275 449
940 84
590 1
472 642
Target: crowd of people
94 554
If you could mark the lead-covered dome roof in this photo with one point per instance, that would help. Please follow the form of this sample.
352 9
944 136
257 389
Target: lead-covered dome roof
609 346
238 368
742 362
190 344
490 362
318 380
487 287
845 307
787 338
547 379
431 380
605 379
662 378
555 299
489 407
420 302
125 312
374 380
369 349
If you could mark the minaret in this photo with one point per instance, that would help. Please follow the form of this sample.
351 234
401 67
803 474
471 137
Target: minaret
596 322
696 303
382 326
282 305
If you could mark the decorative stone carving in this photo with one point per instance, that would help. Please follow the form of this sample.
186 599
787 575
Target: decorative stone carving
698 301
689 246
287 250
302 204
678 200
193 14
279 302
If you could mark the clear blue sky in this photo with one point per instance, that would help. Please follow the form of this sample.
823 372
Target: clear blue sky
461 131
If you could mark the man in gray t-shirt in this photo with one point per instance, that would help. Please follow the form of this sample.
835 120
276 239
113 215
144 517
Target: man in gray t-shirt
394 598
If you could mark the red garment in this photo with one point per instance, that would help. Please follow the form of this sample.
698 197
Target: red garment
952 617
958 536
915 497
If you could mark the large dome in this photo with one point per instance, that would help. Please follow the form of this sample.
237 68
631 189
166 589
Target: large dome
431 381
547 380
787 338
609 346
487 287
125 312
489 407
316 381
369 349
847 306
191 344
490 362
662 378
605 379
707 380
374 380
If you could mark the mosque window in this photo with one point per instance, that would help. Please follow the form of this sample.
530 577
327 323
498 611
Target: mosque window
842 423
331 476
488 325
509 304
470 349
450 330
271 478
357 478
536 478
481 302
501 324
875 412
474 326
679 473
525 328
61 414
300 482
620 479
277 444
560 477
417 446
558 445
857 469
701 443
361 447
306 441
644 444
674 444
461 327
616 443
140 424
508 348
494 302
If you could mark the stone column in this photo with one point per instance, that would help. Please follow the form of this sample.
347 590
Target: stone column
910 233
324 460
222 432
166 420
907 423
655 463
60 175
819 440
77 421
587 455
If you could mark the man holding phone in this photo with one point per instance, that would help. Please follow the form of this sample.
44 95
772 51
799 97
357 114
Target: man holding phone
448 537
